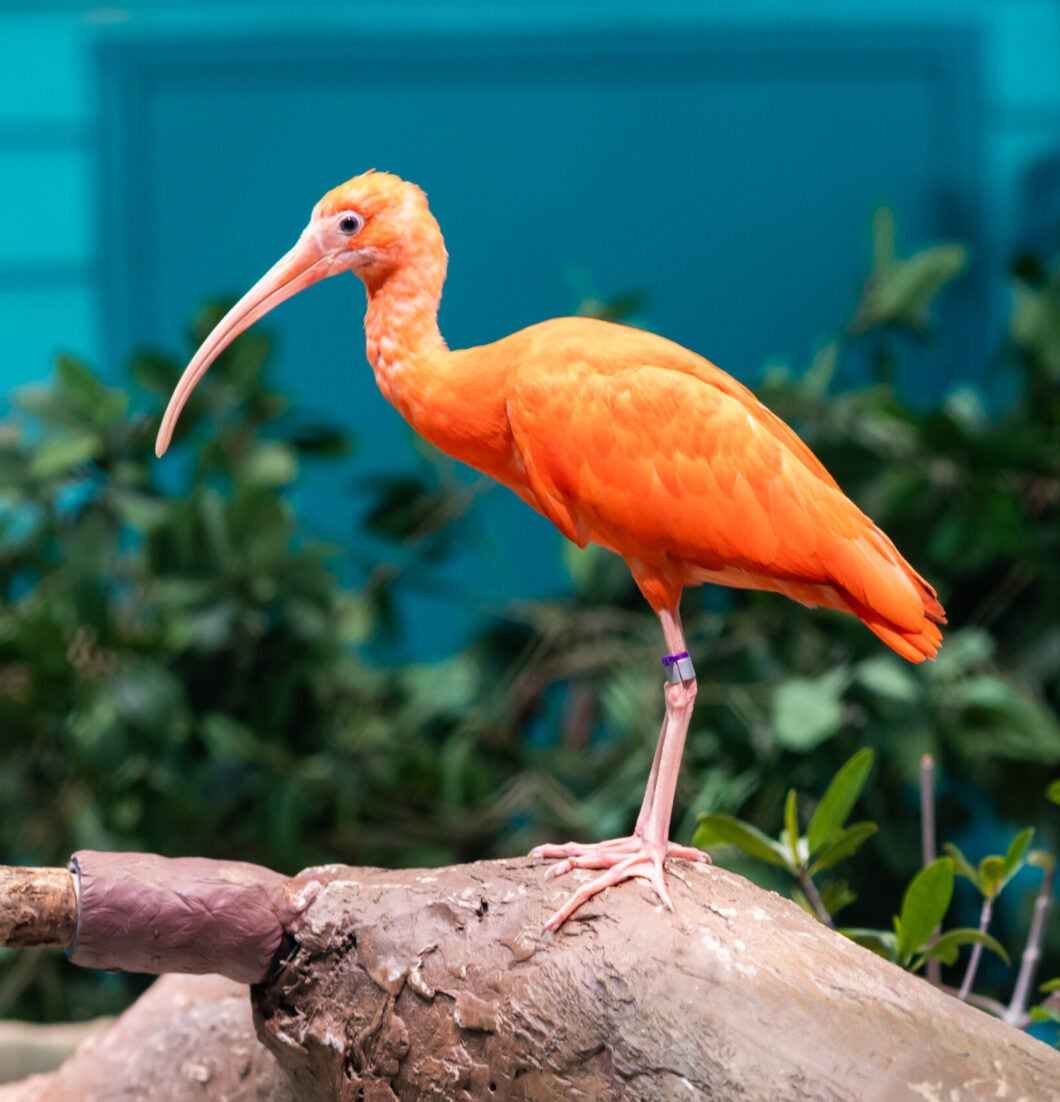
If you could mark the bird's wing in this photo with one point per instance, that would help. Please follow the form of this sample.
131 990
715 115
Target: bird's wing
635 443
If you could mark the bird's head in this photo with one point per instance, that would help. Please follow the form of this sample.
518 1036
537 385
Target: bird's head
372 225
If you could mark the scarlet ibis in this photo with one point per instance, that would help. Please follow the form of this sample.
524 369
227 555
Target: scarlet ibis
619 437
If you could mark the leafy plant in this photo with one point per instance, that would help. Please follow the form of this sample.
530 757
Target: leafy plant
179 661
1049 1009
915 939
991 875
827 841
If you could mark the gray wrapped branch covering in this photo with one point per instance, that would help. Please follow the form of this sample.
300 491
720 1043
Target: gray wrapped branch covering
139 912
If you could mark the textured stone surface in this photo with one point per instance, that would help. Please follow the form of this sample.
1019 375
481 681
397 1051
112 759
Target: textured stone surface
187 1038
436 984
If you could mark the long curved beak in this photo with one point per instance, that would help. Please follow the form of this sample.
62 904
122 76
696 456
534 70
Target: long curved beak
305 264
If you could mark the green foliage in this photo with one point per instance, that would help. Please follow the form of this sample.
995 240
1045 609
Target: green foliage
179 662
827 841
903 292
924 905
915 938
182 667
1035 323
996 870
1048 1011
809 710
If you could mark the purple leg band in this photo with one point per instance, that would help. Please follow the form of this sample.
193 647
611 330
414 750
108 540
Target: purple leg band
678 667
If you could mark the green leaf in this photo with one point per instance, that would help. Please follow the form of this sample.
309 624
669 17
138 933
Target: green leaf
225 738
409 507
322 440
77 384
1016 852
155 373
836 895
1006 719
964 651
1035 322
924 905
716 829
1053 792
842 846
838 800
889 678
1050 985
1041 859
991 875
818 378
903 291
141 511
947 945
807 711
272 464
63 452
44 403
791 827
962 866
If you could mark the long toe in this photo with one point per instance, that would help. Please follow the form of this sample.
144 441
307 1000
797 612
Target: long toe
552 851
645 865
686 853
619 859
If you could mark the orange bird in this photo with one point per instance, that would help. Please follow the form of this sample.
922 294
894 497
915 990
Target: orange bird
619 437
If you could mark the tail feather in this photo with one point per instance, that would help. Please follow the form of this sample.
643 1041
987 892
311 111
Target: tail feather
915 645
881 589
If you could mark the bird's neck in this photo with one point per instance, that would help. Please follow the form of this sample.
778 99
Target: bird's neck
401 329
456 400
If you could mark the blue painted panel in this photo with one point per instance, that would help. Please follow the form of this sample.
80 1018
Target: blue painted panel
730 176
40 318
46 194
42 71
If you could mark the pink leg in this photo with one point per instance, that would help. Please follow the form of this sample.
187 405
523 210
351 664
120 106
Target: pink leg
641 855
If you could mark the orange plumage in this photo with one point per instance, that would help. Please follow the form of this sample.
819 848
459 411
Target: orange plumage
619 437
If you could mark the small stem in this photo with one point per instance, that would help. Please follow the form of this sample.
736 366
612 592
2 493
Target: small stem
814 896
927 809
1016 1014
928 847
977 952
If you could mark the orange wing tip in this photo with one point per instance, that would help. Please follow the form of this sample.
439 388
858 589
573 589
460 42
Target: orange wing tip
913 646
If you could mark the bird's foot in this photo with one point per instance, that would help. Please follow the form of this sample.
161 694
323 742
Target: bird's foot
632 858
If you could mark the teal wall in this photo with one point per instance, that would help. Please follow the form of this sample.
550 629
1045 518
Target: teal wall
723 158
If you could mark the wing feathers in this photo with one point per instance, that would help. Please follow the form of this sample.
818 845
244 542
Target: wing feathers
640 445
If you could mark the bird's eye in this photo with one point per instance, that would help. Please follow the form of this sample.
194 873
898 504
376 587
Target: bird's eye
349 224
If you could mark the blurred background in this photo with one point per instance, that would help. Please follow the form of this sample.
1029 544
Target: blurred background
304 636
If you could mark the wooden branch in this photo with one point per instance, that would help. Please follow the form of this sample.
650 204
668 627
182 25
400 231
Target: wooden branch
438 984
38 907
